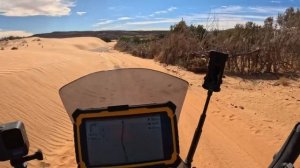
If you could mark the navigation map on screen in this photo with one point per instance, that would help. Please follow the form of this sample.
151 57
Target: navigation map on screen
124 140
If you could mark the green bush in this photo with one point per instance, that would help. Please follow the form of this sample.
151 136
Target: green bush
106 39
9 38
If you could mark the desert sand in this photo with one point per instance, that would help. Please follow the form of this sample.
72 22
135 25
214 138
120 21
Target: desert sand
247 121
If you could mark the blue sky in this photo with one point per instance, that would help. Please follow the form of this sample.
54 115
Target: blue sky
25 17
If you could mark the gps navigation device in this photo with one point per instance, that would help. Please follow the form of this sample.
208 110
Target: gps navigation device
127 136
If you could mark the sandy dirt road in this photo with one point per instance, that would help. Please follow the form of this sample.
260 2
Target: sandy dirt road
247 121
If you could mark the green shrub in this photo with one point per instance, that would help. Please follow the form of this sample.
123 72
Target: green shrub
10 38
106 39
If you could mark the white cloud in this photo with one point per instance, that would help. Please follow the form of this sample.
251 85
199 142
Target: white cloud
80 13
172 8
221 20
267 9
160 12
240 9
108 21
18 33
249 17
104 22
228 9
163 11
276 2
36 7
124 18
156 21
223 17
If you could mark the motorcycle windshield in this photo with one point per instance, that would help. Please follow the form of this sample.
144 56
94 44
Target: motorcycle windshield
134 86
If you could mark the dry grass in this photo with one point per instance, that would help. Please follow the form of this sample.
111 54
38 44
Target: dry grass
253 49
176 48
282 81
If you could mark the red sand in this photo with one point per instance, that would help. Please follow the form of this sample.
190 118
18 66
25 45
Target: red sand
247 121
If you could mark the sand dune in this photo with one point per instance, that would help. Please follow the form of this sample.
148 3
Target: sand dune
247 121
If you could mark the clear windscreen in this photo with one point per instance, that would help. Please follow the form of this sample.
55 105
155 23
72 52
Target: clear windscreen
133 86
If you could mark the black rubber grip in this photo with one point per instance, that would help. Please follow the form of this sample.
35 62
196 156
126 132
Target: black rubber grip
290 151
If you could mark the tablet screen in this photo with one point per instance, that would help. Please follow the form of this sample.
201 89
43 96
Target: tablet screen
124 140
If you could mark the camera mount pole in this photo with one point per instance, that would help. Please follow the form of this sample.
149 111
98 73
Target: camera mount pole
198 132
212 83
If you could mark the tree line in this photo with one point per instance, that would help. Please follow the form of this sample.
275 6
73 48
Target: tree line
273 47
